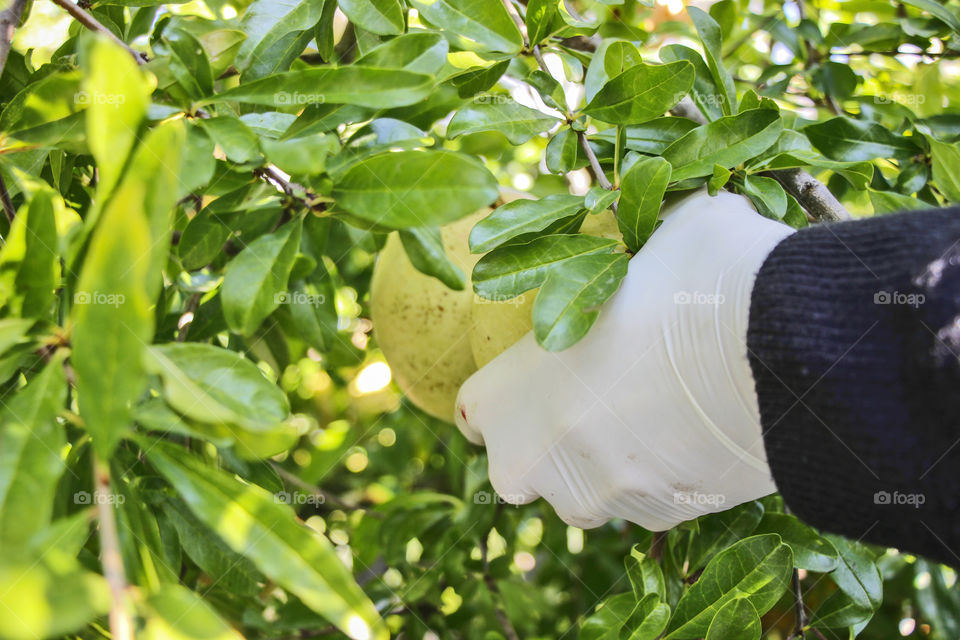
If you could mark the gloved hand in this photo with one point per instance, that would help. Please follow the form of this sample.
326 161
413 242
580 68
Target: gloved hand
652 417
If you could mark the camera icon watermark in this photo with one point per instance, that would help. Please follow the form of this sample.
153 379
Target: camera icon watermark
895 297
698 297
899 499
906 99
85 98
516 301
695 498
87 498
488 497
295 98
492 98
100 298
299 298
298 498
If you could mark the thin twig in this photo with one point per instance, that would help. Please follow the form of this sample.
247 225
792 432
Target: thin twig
192 303
326 496
93 24
813 195
518 20
508 629
798 603
656 545
121 622
9 19
8 209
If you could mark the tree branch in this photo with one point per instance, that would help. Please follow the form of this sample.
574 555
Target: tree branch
798 603
121 622
9 19
812 194
93 24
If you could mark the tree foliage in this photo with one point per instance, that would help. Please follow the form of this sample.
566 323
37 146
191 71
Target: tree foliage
196 436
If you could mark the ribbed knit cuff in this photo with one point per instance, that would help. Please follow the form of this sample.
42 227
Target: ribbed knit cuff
854 343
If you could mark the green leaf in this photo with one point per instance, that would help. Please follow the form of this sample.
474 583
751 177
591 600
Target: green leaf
810 550
712 38
642 189
606 622
112 318
839 611
420 51
727 142
301 156
47 601
225 567
485 23
383 17
598 199
641 93
253 523
705 94
424 247
117 96
520 217
29 265
571 296
651 137
176 613
718 180
856 573
415 188
939 10
362 86
238 142
30 462
757 569
563 152
541 18
217 386
508 271
736 620
277 32
517 122
946 168
256 276
849 140
645 574
767 196
718 531
648 619
892 202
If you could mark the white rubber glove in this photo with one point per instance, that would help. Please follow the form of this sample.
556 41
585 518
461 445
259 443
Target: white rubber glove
653 416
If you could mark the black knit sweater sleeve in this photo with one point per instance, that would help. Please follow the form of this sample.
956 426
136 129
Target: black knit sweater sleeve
854 343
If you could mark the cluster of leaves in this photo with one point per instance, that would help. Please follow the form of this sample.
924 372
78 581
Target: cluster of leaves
183 278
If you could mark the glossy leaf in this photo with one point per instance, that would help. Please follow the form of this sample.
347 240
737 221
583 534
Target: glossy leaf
419 51
712 39
424 248
851 140
520 217
767 196
176 613
415 188
811 551
485 23
117 96
642 188
384 17
946 168
253 523
276 34
757 569
257 276
361 86
571 296
517 122
736 620
641 93
726 142
509 271
30 462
